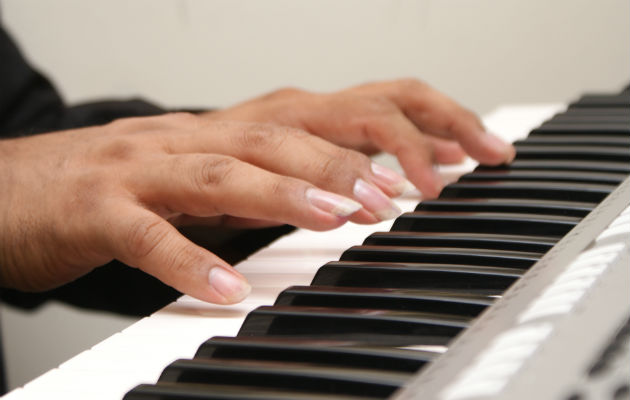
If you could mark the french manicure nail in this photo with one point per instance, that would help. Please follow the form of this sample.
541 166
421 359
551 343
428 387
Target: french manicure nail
228 285
375 201
413 194
392 180
332 203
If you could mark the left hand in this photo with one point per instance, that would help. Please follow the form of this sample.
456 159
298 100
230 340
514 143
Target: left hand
406 118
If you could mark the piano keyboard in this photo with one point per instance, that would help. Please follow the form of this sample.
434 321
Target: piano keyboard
469 296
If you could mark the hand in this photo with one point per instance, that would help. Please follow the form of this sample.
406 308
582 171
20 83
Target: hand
74 200
407 118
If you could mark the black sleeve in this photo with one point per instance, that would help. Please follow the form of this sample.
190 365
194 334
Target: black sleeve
29 103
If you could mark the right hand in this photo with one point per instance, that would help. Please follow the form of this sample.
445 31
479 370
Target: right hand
74 200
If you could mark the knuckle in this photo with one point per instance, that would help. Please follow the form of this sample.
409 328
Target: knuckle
351 157
381 106
349 161
282 190
412 89
285 92
184 118
279 189
123 125
215 170
329 169
299 134
412 84
471 116
259 137
375 112
181 258
120 148
144 236
129 125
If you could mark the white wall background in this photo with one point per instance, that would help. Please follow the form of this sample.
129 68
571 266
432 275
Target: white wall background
214 53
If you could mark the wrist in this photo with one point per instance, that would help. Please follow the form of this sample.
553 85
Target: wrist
9 168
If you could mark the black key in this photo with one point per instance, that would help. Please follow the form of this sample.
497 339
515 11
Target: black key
621 130
616 153
373 326
519 206
441 255
563 165
537 244
578 153
474 279
195 391
537 175
423 300
485 222
603 100
597 111
594 119
551 190
574 140
585 126
323 352
292 376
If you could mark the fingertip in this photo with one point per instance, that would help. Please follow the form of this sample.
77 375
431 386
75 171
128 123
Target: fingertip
424 175
510 154
504 152
389 181
375 201
229 286
364 217
329 210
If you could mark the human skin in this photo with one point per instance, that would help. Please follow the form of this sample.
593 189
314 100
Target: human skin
407 118
74 200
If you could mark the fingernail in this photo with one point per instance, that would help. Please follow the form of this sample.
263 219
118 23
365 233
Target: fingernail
375 201
506 148
228 285
413 194
332 203
397 184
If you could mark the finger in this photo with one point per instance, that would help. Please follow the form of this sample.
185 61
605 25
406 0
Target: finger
437 114
395 134
447 151
291 152
206 185
144 240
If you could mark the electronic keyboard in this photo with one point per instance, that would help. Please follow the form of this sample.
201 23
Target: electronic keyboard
512 284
